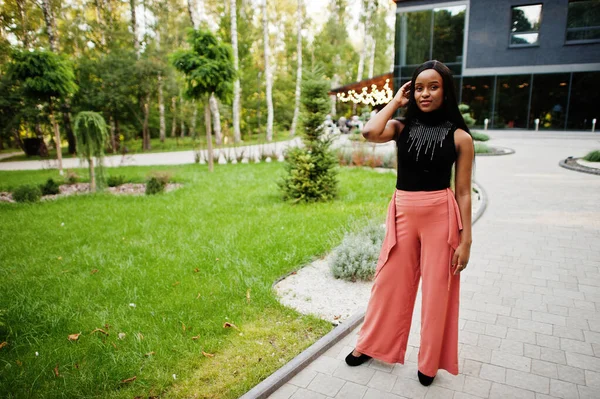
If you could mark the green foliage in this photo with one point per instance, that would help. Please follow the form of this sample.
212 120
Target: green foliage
50 187
27 193
208 66
593 156
481 148
91 134
478 136
356 258
72 177
157 183
115 180
464 110
42 74
311 173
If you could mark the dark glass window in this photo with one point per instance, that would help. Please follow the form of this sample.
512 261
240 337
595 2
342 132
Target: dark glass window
512 101
418 37
448 34
583 21
549 100
477 94
525 25
584 100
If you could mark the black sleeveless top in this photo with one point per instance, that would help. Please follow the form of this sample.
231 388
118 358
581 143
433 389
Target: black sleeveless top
426 153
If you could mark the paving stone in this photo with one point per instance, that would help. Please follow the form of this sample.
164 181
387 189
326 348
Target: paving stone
409 388
508 360
528 381
351 390
501 391
360 375
592 337
562 389
568 332
376 394
407 370
303 378
571 345
512 347
571 374
302 393
477 386
468 337
507 321
471 367
548 341
381 366
475 327
531 351
493 373
462 395
447 380
588 392
553 355
549 318
326 384
485 341
324 364
382 381
476 353
592 379
521 335
543 368
583 361
535 326
496 331
284 392
488 318
435 392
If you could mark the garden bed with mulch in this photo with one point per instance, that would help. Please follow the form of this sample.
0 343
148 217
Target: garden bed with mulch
84 188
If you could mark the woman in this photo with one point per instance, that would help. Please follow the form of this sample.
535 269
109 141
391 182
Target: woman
428 226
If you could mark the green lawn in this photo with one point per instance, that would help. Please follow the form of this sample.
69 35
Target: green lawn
167 271
169 145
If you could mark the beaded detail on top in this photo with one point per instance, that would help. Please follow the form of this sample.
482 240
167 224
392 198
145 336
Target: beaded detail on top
422 136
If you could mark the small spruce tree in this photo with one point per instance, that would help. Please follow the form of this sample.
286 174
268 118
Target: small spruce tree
91 135
311 170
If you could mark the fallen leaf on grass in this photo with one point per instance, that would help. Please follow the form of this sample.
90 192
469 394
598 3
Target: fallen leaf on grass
65 271
248 295
59 258
122 335
196 270
195 338
176 283
73 337
19 363
99 330
3 344
230 325
150 354
94 271
198 296
56 371
183 326
208 354
140 336
113 344
129 380
337 317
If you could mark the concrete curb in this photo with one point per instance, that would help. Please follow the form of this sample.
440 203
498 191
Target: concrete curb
579 168
509 151
273 382
294 366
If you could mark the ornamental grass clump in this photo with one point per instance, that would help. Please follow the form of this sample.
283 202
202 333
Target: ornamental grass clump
27 193
593 156
311 170
356 258
50 188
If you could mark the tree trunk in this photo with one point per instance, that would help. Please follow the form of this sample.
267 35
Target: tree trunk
161 109
92 174
214 109
182 133
269 79
372 56
299 23
23 15
193 18
66 114
145 132
208 137
136 43
113 137
50 25
194 119
17 138
174 111
100 21
56 139
237 135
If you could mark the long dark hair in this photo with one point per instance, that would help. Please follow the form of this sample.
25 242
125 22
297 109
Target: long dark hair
449 107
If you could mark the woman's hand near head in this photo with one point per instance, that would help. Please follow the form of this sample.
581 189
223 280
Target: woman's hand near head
381 128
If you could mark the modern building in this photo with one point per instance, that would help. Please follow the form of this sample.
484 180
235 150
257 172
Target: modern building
514 61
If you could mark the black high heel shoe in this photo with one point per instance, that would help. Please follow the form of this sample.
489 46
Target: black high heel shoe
354 361
425 380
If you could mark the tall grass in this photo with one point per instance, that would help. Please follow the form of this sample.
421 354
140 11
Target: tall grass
166 272
592 156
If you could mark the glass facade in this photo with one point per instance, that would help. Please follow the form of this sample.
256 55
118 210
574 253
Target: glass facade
583 21
525 25
559 101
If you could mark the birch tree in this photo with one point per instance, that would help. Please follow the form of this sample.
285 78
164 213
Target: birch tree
237 136
299 23
268 73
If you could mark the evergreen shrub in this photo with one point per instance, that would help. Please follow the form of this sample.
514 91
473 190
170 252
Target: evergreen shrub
155 186
50 188
478 136
356 257
114 181
27 193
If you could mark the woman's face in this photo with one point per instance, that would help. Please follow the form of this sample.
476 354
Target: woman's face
429 90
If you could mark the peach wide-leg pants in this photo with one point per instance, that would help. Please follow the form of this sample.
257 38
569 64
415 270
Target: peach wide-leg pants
423 230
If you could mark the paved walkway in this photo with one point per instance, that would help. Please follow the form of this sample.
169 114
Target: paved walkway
530 300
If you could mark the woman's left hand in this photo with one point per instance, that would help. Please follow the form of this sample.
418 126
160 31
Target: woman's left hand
461 258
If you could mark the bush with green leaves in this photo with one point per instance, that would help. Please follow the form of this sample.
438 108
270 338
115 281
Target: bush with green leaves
27 193
593 156
50 188
464 110
155 186
478 136
356 257
311 173
481 148
114 181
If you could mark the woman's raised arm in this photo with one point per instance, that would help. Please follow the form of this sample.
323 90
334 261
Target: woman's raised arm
381 128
